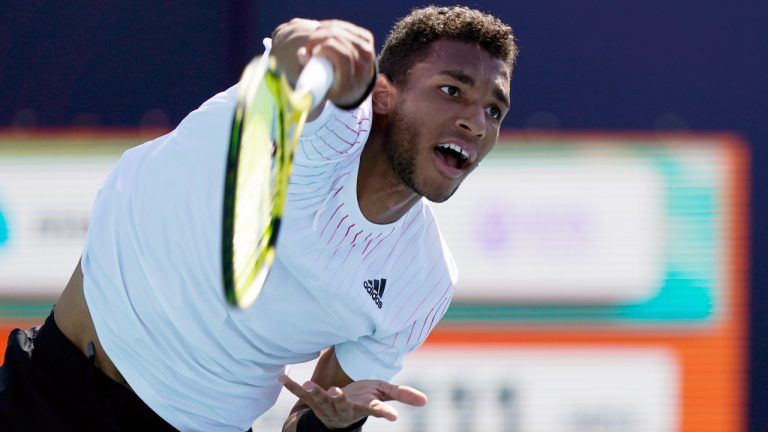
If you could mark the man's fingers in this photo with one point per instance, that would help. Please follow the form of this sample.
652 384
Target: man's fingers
404 394
318 400
361 38
351 50
341 54
378 408
341 404
367 398
293 386
410 396
306 392
351 61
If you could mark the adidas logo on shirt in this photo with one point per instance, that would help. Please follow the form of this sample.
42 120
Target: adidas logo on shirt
375 288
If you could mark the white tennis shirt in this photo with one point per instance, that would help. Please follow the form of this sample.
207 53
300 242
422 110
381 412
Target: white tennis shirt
153 279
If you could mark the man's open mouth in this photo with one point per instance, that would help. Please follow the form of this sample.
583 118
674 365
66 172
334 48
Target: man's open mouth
453 155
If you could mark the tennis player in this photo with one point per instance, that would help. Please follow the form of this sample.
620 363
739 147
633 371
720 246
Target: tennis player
142 338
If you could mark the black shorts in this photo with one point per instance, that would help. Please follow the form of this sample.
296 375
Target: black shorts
46 383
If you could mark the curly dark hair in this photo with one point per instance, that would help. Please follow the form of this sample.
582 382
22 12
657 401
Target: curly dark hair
411 37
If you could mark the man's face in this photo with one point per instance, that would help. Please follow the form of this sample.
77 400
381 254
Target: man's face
447 117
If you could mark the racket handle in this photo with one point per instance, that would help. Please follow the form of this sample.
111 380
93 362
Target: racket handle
316 78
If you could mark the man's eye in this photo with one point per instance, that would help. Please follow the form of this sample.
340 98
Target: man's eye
450 90
494 112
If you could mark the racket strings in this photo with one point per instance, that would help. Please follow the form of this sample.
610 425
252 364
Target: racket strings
266 128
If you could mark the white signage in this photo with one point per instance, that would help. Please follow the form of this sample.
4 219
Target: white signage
45 205
583 228
527 390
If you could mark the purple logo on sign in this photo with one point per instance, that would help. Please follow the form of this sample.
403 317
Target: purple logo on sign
549 229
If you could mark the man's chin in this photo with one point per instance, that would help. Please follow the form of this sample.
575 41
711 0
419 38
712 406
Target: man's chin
439 196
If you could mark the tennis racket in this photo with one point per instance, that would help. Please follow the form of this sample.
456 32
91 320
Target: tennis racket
267 123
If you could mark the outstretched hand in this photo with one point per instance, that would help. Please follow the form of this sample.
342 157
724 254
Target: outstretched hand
341 407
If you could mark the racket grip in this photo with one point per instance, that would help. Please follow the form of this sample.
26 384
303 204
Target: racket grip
316 78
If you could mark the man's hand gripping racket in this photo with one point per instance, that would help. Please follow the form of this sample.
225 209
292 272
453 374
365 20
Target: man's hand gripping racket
268 120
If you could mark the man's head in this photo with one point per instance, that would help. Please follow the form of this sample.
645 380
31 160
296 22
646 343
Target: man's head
442 94
411 38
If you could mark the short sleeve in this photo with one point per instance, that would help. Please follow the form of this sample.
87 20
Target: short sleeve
370 357
334 135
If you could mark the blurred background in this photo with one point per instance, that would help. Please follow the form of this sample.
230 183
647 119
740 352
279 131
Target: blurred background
614 284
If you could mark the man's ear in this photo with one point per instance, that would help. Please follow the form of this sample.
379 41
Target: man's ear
384 95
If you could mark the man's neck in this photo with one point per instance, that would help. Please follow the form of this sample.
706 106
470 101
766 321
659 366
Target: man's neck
383 198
